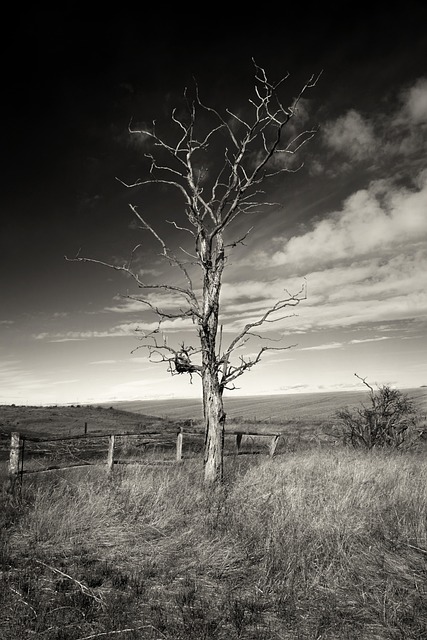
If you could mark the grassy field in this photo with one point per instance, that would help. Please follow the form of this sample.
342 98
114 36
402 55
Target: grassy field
276 408
316 544
70 420
303 419
320 542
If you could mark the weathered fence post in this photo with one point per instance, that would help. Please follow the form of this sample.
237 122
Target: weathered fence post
22 460
179 445
13 470
238 442
85 428
273 444
110 456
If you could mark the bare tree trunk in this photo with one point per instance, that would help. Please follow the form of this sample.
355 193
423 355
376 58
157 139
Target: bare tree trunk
214 427
212 254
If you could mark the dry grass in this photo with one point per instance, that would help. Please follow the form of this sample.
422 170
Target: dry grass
314 544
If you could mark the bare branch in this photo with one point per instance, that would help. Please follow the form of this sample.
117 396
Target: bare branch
241 240
168 254
179 360
218 116
232 372
181 314
172 222
291 301
187 293
365 383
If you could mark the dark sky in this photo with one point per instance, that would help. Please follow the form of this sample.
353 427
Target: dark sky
72 81
73 77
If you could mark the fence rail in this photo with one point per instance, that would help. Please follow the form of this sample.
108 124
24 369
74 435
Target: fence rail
18 441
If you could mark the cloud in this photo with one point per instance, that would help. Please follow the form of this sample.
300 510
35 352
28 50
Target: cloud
381 217
349 312
414 109
351 134
16 381
369 340
339 345
127 306
323 347
304 388
123 330
352 291
352 138
9 365
164 300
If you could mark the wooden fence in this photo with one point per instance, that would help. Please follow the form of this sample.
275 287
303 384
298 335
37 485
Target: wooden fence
18 449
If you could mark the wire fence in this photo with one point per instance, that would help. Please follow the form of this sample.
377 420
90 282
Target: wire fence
30 454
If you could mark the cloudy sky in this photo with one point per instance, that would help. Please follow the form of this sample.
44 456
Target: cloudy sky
351 222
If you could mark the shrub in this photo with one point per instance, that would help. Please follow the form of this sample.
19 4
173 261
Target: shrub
389 420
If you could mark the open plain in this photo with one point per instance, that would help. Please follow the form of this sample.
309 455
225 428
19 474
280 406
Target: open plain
322 541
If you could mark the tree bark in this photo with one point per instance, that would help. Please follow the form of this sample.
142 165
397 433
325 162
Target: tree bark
214 428
212 256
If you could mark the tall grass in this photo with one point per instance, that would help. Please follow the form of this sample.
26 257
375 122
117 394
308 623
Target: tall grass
310 545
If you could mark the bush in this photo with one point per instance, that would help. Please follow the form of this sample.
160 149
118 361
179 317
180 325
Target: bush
389 420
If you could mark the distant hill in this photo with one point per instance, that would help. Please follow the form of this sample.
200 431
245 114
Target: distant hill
71 420
300 406
150 415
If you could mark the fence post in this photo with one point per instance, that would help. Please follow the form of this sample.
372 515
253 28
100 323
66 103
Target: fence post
22 460
238 442
179 445
110 457
85 428
273 445
13 470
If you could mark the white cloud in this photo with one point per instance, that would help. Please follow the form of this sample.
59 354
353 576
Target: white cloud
414 100
375 219
355 341
323 347
9 365
349 312
127 306
356 290
401 134
164 300
16 381
351 134
118 331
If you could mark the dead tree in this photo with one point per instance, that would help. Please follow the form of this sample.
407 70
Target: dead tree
255 145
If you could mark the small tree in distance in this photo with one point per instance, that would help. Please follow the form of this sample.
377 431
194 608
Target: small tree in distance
219 162
388 421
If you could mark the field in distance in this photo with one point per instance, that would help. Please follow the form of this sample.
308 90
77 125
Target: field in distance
319 407
297 413
62 421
